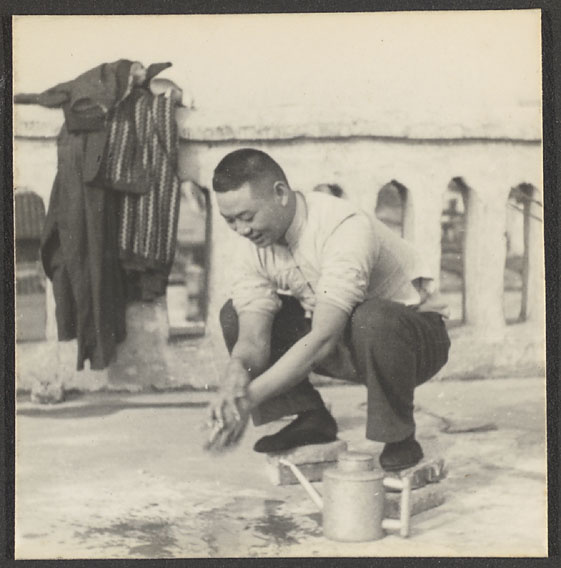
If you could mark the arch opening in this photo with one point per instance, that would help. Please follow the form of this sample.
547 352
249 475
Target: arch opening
391 206
452 242
187 291
31 299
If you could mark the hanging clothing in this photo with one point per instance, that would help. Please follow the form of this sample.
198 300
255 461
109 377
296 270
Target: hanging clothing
80 256
140 160
79 246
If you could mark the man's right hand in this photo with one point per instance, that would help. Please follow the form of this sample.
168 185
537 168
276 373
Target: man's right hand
229 411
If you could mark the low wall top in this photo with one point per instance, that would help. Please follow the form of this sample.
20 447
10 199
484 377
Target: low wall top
520 123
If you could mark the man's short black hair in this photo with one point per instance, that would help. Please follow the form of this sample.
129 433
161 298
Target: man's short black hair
245 166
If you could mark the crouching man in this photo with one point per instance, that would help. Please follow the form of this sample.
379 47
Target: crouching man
317 285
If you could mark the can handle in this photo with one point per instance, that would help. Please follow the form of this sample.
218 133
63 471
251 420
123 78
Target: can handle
314 495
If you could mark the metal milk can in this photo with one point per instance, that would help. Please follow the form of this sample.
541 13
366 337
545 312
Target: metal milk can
353 499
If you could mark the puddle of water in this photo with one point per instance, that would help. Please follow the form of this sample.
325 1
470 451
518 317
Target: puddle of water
318 519
246 525
224 528
242 526
155 536
282 530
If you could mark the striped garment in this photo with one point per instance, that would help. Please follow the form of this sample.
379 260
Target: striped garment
141 161
29 214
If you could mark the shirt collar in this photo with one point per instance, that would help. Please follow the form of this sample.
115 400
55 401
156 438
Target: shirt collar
298 221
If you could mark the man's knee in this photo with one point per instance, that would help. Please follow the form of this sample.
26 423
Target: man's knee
229 324
375 317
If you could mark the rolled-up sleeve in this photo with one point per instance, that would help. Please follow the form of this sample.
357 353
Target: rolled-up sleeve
347 259
251 289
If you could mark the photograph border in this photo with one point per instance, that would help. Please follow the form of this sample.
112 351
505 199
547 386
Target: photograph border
551 60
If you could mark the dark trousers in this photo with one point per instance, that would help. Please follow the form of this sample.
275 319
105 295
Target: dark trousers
389 347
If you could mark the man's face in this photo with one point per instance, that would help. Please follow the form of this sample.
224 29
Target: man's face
256 214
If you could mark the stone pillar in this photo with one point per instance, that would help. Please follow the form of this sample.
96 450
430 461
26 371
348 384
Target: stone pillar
367 199
47 368
484 260
141 361
422 224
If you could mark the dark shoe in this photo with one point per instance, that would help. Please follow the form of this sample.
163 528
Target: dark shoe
401 455
315 426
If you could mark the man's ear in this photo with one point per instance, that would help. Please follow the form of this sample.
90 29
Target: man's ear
282 192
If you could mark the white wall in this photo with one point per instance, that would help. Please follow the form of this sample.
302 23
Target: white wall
484 347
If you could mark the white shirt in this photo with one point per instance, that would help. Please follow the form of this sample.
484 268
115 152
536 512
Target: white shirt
335 253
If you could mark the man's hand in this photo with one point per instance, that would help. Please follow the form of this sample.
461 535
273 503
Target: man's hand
229 411
228 432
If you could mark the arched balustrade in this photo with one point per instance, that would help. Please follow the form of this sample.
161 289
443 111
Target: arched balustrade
391 206
453 237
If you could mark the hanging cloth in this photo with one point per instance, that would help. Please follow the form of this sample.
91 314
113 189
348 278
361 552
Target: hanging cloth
141 162
79 244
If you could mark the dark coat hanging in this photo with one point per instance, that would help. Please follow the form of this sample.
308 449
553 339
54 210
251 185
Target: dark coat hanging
79 245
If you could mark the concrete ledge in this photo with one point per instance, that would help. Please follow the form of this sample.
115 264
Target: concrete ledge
518 351
287 123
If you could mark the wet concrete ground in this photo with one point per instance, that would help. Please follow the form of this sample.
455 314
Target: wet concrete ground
124 476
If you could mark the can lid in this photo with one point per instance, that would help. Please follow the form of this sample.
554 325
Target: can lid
369 476
355 461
